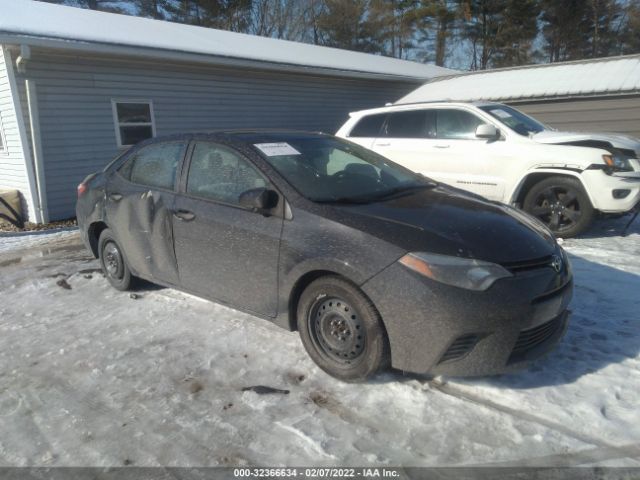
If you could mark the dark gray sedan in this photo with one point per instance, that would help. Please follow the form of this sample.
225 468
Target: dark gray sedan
372 264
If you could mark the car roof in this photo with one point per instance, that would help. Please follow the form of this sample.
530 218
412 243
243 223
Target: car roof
418 105
231 134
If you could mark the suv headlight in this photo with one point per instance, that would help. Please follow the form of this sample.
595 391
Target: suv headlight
617 163
460 272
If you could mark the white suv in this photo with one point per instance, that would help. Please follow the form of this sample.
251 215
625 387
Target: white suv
496 151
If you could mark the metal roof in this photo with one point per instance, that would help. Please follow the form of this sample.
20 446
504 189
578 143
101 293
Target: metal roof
596 77
26 22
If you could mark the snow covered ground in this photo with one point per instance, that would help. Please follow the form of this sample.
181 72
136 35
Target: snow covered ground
91 376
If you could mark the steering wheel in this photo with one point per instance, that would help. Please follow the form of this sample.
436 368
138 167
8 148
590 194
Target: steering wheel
343 175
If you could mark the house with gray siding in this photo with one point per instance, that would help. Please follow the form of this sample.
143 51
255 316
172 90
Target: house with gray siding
78 86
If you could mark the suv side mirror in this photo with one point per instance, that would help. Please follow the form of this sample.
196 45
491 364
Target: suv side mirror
258 199
487 131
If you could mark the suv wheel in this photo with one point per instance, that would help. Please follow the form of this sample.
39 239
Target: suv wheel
341 330
562 204
113 262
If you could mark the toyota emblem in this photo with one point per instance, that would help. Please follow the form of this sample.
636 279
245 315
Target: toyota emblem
556 263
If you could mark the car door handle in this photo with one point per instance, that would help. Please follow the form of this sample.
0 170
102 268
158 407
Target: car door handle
382 144
184 215
116 197
442 146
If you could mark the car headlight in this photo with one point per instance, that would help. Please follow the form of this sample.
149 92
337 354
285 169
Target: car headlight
617 163
459 272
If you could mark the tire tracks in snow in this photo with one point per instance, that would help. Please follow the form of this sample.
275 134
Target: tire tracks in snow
603 451
573 459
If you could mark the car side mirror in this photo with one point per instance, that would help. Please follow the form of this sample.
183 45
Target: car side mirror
487 131
258 199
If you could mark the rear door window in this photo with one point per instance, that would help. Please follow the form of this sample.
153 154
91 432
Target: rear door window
368 127
457 124
155 165
411 124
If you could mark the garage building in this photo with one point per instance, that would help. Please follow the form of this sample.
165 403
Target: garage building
78 86
592 95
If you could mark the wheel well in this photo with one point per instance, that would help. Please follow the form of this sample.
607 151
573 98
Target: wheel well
530 181
299 287
95 229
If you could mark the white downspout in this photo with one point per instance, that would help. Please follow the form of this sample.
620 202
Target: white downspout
23 58
34 122
33 201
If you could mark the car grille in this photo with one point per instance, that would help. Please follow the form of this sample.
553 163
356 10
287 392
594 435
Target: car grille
529 339
528 265
459 348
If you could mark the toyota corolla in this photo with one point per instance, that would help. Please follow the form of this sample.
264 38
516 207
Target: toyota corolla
372 264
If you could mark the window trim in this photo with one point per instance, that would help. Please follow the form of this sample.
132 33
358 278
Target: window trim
3 139
118 124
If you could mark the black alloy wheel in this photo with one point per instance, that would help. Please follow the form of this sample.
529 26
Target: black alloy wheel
562 204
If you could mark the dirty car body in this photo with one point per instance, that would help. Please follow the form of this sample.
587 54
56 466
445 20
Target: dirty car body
460 284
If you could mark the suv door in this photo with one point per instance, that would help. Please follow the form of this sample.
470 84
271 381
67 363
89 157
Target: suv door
139 201
407 138
465 161
224 251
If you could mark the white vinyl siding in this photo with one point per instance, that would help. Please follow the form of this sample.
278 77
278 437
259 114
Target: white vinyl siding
13 170
2 140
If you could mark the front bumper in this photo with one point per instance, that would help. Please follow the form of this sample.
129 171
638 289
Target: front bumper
439 329
601 187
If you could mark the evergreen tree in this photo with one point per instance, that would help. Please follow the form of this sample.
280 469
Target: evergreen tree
345 24
630 33
438 21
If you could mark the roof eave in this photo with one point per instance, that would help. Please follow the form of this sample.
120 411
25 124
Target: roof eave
9 38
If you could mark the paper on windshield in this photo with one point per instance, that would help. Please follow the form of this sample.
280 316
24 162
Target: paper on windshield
501 113
276 149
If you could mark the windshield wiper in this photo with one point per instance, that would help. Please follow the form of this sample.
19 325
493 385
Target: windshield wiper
362 199
347 200
405 189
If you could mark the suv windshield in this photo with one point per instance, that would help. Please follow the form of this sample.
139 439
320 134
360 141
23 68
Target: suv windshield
328 169
514 119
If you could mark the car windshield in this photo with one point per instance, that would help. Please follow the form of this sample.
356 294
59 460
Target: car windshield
328 169
514 119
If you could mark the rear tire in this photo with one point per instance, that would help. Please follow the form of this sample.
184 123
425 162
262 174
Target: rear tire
341 330
562 204
113 262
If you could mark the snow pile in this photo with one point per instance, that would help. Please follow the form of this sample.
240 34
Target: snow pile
92 376
10 241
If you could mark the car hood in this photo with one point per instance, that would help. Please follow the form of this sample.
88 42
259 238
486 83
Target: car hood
449 221
616 140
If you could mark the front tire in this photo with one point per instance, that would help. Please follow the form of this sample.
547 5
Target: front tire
341 330
113 263
562 204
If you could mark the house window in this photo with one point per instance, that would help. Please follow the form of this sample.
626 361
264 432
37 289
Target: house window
134 121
